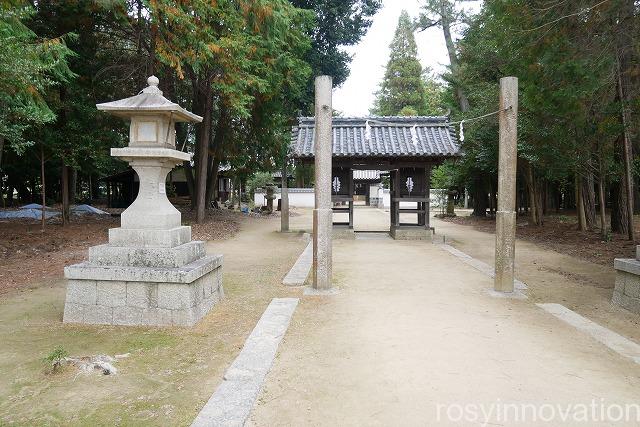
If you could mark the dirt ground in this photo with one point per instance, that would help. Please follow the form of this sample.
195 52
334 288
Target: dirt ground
29 255
413 327
560 233
170 372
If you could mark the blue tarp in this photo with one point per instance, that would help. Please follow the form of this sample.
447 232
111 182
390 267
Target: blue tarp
87 209
27 213
36 206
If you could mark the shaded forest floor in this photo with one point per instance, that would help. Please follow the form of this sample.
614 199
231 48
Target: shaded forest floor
29 255
560 233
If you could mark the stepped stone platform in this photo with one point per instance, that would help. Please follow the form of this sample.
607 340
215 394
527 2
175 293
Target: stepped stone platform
411 233
162 286
627 287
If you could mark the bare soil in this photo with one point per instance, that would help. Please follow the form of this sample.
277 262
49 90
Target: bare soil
559 233
28 254
170 373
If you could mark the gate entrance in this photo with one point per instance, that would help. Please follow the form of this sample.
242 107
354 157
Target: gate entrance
396 153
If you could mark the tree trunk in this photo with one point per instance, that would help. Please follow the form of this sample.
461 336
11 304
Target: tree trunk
582 220
73 184
216 152
236 192
203 153
446 21
627 154
65 194
619 221
603 216
532 195
493 197
589 200
479 197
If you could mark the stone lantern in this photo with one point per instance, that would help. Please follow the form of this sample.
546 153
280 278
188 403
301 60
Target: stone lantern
270 196
150 272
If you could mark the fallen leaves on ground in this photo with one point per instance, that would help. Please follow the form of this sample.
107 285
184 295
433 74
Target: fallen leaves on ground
560 233
29 254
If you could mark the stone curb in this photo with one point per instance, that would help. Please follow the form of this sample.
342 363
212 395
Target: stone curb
300 270
233 400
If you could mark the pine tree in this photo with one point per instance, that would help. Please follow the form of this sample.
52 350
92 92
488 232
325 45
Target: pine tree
28 66
402 91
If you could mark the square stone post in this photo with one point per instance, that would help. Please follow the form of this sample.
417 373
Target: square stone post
284 198
323 214
507 164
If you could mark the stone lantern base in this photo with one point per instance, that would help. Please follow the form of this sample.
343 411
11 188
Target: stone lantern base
143 286
150 272
627 287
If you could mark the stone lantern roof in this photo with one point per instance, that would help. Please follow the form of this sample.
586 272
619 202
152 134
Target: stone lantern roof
149 100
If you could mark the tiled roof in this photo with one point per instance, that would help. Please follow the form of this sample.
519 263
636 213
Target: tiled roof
383 137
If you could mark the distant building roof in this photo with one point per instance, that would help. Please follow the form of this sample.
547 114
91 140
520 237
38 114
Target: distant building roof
380 137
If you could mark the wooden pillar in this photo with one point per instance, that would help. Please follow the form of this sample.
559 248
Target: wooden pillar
394 194
323 214
427 207
367 194
351 195
508 158
284 198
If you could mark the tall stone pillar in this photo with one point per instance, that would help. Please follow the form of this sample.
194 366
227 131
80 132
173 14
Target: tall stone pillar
284 198
508 159
323 214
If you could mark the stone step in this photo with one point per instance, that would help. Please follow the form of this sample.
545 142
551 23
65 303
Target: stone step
143 238
108 255
185 274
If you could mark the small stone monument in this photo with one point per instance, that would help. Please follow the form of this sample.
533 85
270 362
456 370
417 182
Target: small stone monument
627 288
150 272
270 197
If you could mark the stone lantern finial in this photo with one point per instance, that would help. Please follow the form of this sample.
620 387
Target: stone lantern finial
153 83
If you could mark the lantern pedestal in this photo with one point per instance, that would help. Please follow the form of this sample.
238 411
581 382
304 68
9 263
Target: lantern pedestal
150 272
627 286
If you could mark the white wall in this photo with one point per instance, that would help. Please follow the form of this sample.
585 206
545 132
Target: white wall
298 198
305 198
